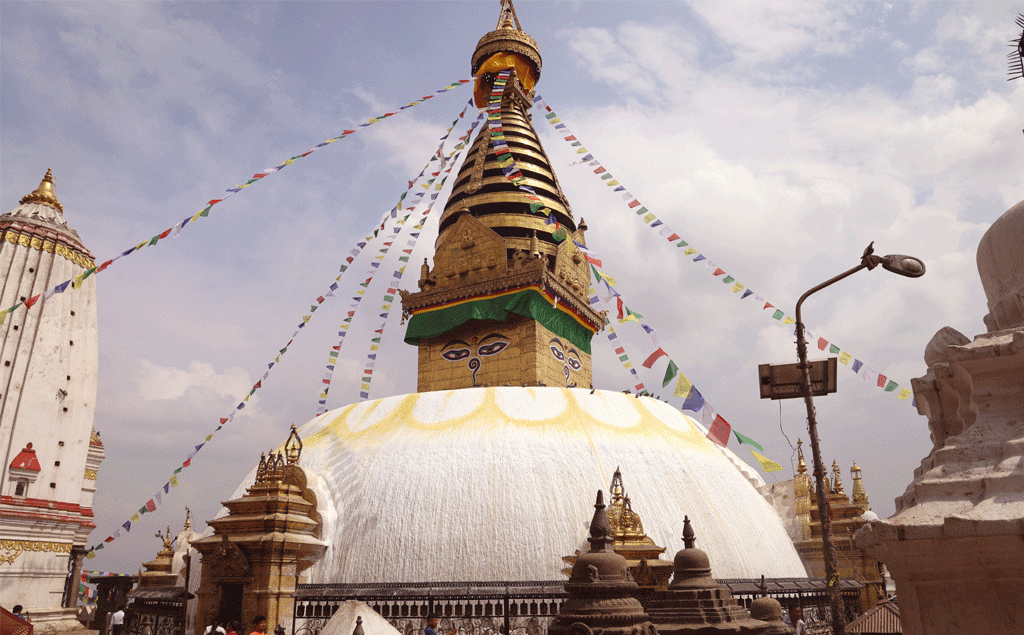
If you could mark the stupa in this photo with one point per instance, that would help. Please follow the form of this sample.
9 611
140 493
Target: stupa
505 436
955 546
48 374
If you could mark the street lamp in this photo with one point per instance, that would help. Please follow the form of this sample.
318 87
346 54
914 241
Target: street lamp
904 266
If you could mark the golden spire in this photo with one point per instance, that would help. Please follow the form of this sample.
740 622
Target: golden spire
837 483
188 519
44 193
860 495
801 467
293 447
507 15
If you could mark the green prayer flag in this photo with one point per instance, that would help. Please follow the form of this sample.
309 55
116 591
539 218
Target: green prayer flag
834 349
206 212
777 315
728 280
891 386
742 438
670 373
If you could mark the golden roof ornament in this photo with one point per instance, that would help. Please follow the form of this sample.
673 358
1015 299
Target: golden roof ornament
860 495
44 193
188 520
837 483
293 447
801 467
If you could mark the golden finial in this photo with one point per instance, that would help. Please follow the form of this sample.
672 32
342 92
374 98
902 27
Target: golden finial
837 482
616 488
293 447
507 15
44 193
188 519
801 467
860 495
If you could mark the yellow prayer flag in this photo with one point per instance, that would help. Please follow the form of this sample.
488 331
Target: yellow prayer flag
90 555
135 518
439 185
612 182
381 257
904 393
288 162
247 397
690 251
737 287
374 347
174 480
361 292
386 307
683 386
3 316
196 216
628 365
78 281
402 270
305 318
364 386
845 358
649 218
767 464
788 320
209 437
610 280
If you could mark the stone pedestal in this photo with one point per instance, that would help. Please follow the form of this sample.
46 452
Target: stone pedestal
955 547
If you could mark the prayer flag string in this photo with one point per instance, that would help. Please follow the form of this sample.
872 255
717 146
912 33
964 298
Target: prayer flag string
157 498
77 280
501 149
718 428
741 290
333 354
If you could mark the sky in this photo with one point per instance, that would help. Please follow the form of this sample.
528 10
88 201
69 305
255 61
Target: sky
778 138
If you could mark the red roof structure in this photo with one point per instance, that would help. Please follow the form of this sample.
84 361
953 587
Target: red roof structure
26 460
883 617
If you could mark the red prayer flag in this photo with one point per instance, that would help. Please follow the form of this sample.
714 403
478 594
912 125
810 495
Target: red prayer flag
881 380
187 462
223 420
107 539
649 362
768 305
104 266
620 350
214 202
634 203
673 238
368 371
720 431
150 505
166 233
719 272
822 343
600 170
31 301
326 381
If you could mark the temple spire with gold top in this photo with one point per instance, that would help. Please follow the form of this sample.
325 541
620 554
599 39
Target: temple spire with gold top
505 302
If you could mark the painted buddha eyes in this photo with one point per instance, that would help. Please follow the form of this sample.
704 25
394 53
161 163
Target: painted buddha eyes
570 358
455 355
491 349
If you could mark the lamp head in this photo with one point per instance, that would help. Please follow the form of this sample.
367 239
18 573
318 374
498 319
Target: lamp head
908 266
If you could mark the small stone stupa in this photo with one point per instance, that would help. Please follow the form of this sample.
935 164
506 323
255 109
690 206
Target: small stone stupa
955 546
694 603
601 590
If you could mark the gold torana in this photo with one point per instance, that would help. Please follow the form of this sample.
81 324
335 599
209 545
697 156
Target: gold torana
505 302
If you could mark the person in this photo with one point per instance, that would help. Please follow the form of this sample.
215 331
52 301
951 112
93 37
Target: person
117 622
432 626
233 627
259 625
214 627
17 610
796 620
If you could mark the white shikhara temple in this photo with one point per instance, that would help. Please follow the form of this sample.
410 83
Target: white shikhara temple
48 376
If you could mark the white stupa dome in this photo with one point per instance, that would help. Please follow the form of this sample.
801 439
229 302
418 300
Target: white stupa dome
499 483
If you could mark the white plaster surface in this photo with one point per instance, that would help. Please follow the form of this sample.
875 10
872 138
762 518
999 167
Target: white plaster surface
343 622
499 484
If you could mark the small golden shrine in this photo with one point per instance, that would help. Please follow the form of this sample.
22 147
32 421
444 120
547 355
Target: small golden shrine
158 571
848 515
270 535
629 541
506 301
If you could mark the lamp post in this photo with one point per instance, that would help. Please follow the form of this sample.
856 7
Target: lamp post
905 266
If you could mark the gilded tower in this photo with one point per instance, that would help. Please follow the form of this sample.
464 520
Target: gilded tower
505 302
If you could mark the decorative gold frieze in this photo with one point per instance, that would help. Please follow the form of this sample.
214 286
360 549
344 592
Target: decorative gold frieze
15 237
90 475
11 549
